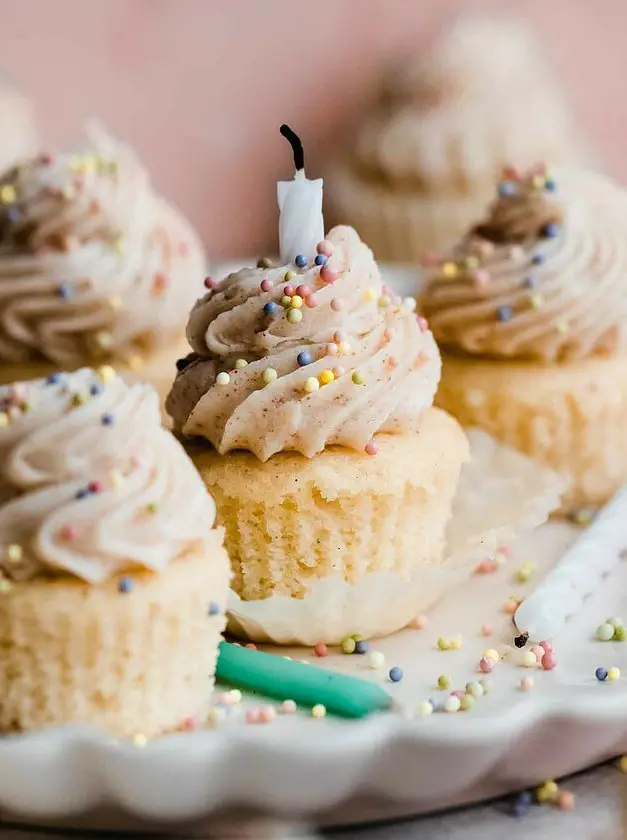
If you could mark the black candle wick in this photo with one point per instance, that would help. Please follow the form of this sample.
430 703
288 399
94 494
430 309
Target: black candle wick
296 144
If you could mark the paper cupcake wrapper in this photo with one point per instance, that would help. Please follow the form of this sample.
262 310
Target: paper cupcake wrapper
501 495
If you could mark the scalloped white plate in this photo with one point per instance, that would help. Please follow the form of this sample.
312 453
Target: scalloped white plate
336 771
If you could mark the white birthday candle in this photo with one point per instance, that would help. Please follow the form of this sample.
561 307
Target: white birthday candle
580 571
301 224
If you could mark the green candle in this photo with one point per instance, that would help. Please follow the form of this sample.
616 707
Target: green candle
284 679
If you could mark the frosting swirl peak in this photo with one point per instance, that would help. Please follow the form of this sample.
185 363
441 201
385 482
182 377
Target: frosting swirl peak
541 277
90 482
298 359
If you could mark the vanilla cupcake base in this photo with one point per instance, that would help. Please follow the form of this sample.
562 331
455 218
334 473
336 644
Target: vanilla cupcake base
127 662
571 417
403 225
292 520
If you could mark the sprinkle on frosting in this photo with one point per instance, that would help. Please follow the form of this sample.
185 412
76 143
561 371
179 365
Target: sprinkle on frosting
313 401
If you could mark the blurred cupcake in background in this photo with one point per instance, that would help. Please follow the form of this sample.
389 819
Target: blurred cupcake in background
424 163
95 267
18 133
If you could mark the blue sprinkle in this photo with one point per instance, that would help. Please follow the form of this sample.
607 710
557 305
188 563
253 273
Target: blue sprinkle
361 646
504 313
551 230
214 609
125 585
522 803
271 308
301 261
530 282
321 259
537 259
13 213
601 674
95 389
550 185
82 493
65 291
396 674
107 419
53 378
506 188
304 358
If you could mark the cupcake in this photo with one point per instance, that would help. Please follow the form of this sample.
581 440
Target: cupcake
18 135
309 392
424 163
94 267
530 310
112 583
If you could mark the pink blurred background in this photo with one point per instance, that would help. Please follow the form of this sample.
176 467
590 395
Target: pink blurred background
201 86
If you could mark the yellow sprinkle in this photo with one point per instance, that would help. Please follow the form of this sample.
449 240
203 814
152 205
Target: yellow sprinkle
119 246
68 192
384 300
456 642
5 586
106 373
425 708
285 301
8 195
319 711
490 653
449 269
443 682
269 375
358 377
104 339
296 301
561 325
613 674
115 478
371 294
538 181
4 419
139 739
240 363
223 378
14 553
345 348
547 791
311 385
622 764
79 399
524 573
444 643
326 376
537 301
471 263
135 362
294 316
115 302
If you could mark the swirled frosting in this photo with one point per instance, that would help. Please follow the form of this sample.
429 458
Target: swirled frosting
90 482
93 264
450 117
299 359
541 277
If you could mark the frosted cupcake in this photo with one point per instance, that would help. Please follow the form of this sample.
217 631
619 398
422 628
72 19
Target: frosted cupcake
312 387
530 310
94 266
112 583
18 134
424 163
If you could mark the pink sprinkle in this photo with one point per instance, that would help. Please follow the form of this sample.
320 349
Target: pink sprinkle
505 550
538 652
481 277
486 630
486 664
511 173
510 607
303 291
225 699
486 566
208 282
339 336
549 661
458 693
288 707
311 301
393 362
190 723
67 532
418 622
266 285
337 305
371 448
548 646
266 714
328 274
251 646
253 716
527 683
339 370
332 349
325 247
320 649
565 800
290 291
431 259
95 487
423 324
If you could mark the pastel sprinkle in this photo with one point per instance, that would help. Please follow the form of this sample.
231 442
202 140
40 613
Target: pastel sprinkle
304 358
527 683
449 269
614 621
271 308
565 798
622 764
14 553
336 305
613 674
475 688
467 702
528 659
418 622
125 585
320 259
240 364
213 608
296 302
311 385
601 674
491 653
348 645
620 634
311 301
371 448
456 642
486 685
376 659
139 740
267 714
328 274
208 282
320 649
223 378
326 377
303 291
444 682
361 646
269 375
486 665
294 316
425 708
319 711
288 707
486 630
444 643
549 661
605 632
504 313
301 261
288 291
396 674
452 704
325 247
358 377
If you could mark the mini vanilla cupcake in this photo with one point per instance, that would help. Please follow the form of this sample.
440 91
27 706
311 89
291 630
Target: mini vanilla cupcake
424 163
18 134
530 310
94 267
112 583
314 385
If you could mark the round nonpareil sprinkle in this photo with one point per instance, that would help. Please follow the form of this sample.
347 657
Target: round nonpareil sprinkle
452 704
296 301
467 702
311 301
304 358
319 711
486 665
294 316
348 645
336 305
361 646
320 259
396 674
311 385
549 661
444 682
240 364
620 634
266 285
376 659
456 642
320 649
547 792
418 622
329 274
371 448
528 659
527 683
125 585
565 800
326 377
601 674
271 308
214 608
486 629
491 653
614 621
605 632
223 378
267 714
475 688
444 643
300 261
269 375
425 708
325 247
613 674
288 707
